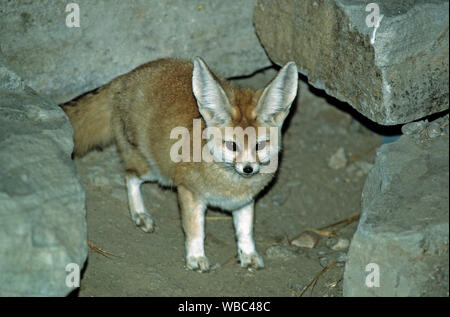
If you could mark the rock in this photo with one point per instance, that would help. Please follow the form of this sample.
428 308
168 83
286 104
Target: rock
394 73
338 159
342 257
42 204
427 130
324 261
414 127
359 168
404 228
434 130
9 80
114 37
279 251
306 240
338 244
215 266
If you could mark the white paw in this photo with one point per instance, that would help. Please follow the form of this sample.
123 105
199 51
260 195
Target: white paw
253 260
197 263
144 221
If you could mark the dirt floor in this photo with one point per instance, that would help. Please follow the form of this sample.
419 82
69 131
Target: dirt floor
308 193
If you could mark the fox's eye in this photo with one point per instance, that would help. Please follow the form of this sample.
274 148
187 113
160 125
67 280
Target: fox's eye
232 146
260 145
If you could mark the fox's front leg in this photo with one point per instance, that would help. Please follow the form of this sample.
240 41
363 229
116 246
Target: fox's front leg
193 219
243 224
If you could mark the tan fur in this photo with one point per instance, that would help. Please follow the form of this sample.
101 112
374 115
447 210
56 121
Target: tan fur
91 120
139 110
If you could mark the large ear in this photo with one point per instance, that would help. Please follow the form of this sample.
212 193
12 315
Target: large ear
276 99
212 100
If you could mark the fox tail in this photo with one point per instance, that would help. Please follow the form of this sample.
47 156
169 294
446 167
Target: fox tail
90 116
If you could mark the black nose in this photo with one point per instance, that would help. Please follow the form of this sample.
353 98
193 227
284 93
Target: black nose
248 169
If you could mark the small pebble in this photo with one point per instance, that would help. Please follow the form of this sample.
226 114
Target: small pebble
351 168
338 244
365 167
342 257
306 240
324 261
414 127
278 251
215 266
434 130
338 159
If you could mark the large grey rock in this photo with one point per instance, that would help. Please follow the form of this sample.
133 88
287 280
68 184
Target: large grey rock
399 76
42 207
404 227
115 36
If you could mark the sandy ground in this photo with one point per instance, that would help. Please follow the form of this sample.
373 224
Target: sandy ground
307 194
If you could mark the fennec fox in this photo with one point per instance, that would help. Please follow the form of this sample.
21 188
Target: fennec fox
141 109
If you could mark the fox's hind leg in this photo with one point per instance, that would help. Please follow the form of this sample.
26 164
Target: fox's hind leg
139 213
138 172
